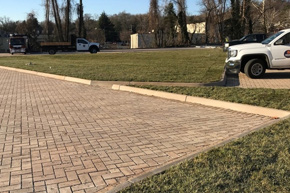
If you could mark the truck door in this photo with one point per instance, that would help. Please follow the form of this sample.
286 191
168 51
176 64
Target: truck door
281 52
82 45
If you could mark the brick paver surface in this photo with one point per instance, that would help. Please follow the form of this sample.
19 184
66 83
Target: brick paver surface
57 136
277 79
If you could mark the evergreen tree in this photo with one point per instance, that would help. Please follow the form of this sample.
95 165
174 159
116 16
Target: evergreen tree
169 24
108 28
32 29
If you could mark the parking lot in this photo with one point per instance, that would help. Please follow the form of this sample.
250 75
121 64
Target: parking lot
58 136
275 79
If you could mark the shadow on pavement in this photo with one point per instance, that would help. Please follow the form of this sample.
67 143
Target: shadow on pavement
232 80
276 75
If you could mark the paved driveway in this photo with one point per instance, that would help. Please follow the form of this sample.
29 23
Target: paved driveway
277 79
58 136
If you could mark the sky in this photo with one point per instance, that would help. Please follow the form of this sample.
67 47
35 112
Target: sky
18 9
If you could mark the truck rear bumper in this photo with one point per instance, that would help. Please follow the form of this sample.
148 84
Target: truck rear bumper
17 50
233 67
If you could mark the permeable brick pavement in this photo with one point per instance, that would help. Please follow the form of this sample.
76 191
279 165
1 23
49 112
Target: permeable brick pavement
58 136
274 79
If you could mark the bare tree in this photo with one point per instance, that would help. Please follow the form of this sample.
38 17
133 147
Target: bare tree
209 7
154 16
181 6
82 31
58 24
68 12
140 23
47 4
220 11
7 25
247 22
268 13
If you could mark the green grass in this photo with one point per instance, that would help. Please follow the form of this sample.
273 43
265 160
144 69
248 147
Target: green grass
198 65
259 162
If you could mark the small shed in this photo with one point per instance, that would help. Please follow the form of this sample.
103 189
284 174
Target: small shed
142 40
4 42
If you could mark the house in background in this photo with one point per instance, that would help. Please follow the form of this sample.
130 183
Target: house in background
196 32
4 42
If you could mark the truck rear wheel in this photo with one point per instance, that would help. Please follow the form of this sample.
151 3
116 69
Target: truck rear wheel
255 68
93 50
51 51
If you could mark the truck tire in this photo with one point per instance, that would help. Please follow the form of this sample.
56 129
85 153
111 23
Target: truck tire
242 70
51 51
93 50
255 68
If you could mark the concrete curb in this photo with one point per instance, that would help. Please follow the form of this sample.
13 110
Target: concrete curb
109 84
207 102
59 77
132 83
115 85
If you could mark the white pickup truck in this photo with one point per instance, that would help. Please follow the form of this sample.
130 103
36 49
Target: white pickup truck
253 59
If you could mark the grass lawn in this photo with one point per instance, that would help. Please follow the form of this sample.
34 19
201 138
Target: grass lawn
259 162
196 65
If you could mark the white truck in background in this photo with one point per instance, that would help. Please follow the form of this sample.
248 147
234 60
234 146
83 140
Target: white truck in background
253 59
76 44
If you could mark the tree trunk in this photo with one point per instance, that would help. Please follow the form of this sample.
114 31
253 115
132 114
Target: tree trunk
67 19
47 13
81 20
154 21
182 21
57 20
